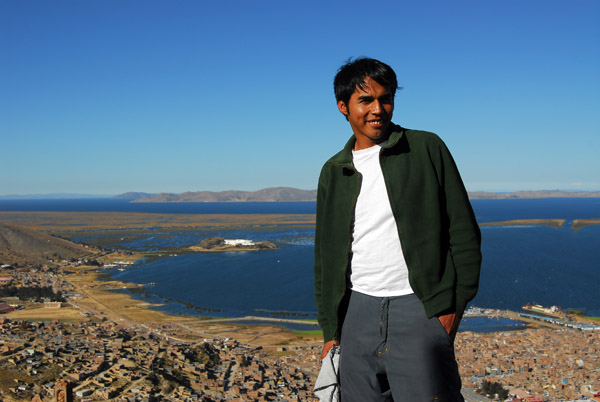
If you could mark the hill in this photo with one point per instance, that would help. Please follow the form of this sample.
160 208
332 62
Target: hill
478 195
272 194
132 195
19 245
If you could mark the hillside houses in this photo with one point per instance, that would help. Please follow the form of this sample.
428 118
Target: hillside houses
104 361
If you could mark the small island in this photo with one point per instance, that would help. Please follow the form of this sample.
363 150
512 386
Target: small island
220 244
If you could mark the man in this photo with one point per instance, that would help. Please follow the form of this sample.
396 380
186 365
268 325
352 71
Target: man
397 249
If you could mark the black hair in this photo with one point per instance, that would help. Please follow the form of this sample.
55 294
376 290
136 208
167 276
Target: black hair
353 73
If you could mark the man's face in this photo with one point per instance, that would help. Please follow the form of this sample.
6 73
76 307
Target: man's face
369 113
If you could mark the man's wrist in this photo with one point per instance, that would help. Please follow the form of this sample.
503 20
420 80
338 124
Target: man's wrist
327 347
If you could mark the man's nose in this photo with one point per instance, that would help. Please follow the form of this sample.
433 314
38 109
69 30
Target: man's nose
377 107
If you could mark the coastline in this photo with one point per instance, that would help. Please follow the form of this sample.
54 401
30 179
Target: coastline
130 307
555 223
108 311
100 300
495 320
97 301
277 347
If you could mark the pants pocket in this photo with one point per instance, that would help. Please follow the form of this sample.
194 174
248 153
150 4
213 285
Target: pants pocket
440 327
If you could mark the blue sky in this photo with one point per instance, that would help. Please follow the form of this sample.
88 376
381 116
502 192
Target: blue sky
104 97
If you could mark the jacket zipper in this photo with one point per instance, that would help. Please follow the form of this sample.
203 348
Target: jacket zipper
348 246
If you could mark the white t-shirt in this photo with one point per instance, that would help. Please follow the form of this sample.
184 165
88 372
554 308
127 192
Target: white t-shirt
378 267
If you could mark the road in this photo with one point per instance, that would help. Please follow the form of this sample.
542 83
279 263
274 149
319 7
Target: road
472 396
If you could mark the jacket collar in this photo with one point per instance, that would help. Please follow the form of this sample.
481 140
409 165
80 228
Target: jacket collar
344 157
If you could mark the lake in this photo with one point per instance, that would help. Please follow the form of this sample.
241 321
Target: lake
521 264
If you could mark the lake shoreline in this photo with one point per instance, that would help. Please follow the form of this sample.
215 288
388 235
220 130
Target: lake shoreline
129 231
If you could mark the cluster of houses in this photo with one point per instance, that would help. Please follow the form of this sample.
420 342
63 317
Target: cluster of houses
104 361
544 363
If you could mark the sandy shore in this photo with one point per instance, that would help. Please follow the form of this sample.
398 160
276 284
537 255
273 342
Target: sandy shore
555 223
579 223
100 302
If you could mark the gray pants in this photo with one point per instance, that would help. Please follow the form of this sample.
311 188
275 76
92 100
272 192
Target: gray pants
391 351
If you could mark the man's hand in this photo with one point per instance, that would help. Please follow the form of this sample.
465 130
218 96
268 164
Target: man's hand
327 347
450 322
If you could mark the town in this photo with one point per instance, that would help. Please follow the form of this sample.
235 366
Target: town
102 356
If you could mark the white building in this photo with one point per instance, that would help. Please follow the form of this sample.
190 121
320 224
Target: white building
238 242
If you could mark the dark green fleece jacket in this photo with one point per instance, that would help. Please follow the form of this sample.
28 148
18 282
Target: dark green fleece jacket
438 232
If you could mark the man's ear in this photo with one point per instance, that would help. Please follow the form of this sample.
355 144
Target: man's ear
343 108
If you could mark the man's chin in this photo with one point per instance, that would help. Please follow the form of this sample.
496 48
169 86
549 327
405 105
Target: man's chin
383 131
380 136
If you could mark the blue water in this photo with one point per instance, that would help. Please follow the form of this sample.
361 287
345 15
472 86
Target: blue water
485 210
545 208
156 239
234 284
542 265
521 264
484 324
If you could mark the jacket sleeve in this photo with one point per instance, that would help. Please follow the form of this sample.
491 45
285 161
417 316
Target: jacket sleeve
463 232
321 316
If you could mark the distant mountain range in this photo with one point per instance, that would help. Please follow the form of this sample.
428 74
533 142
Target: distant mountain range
479 195
273 194
282 194
133 196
